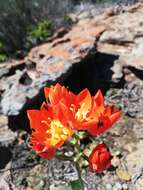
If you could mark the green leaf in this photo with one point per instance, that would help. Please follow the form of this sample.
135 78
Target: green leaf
77 157
76 185
3 57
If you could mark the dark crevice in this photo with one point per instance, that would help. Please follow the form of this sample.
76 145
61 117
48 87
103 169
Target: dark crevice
5 156
137 72
93 73
25 79
120 43
21 121
13 69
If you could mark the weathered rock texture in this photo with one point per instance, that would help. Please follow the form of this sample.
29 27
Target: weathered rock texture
120 32
22 81
124 37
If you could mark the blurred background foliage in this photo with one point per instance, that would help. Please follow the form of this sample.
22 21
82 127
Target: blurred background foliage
3 56
22 19
41 30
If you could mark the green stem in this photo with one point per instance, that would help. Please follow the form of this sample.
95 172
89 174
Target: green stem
77 146
79 174
64 158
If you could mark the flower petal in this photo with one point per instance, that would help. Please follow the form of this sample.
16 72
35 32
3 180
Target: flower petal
99 99
115 116
84 101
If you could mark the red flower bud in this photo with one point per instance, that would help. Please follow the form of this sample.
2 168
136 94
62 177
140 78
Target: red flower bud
100 158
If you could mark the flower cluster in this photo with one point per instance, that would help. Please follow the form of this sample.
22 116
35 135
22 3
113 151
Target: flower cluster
65 113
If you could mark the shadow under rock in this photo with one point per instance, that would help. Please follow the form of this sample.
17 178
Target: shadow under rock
93 73
21 121
5 156
137 72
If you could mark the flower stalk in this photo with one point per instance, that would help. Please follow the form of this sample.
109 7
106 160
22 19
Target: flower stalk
79 175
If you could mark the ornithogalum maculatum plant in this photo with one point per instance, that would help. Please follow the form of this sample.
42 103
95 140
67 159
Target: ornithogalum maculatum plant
66 119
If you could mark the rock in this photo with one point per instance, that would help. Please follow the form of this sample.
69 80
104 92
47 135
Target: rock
117 72
84 15
125 186
45 64
8 68
123 36
135 59
108 186
118 186
13 98
137 129
135 166
114 188
4 185
116 37
3 70
5 176
3 121
7 137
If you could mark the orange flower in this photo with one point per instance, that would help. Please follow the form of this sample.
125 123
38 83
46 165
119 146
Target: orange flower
88 113
42 150
58 93
50 129
104 116
100 158
92 115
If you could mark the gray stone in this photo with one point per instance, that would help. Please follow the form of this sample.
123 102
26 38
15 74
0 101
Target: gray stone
117 72
108 186
6 135
84 15
125 186
115 188
4 185
124 36
118 186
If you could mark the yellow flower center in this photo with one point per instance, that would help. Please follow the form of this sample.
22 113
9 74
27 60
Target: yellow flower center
81 114
57 133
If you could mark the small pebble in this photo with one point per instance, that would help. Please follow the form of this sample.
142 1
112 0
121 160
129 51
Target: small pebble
41 183
125 186
117 186
114 188
108 186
